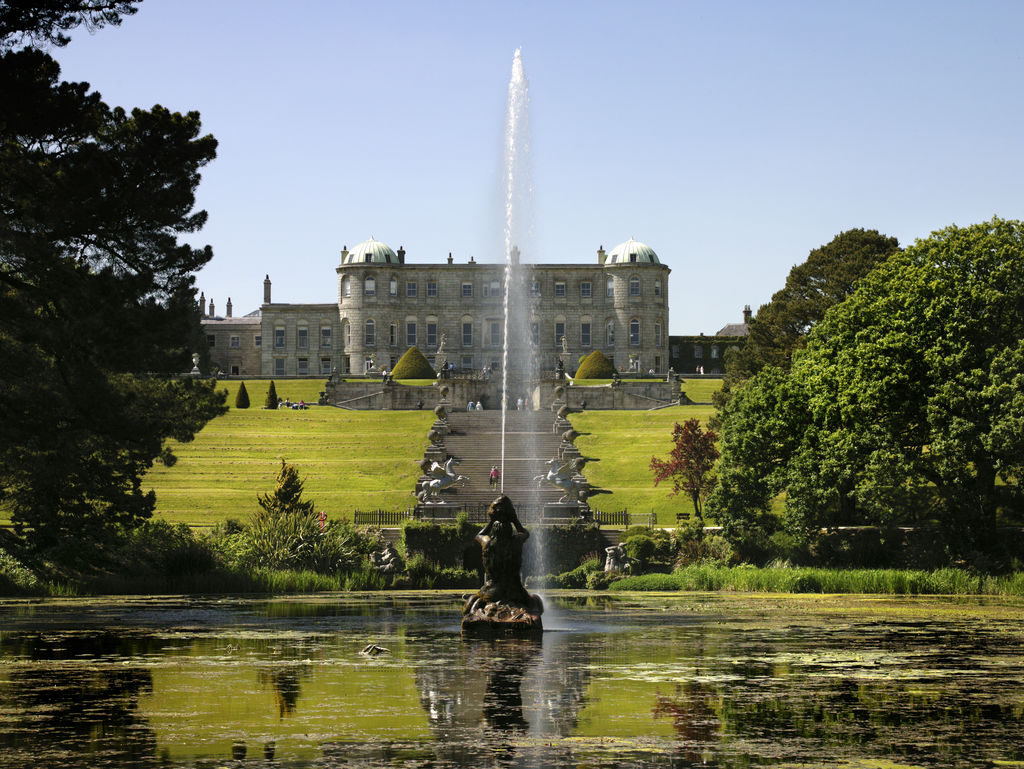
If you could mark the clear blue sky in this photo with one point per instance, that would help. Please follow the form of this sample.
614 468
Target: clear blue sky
732 137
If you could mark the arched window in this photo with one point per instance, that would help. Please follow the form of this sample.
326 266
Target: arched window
634 286
370 337
610 287
634 331
346 286
370 286
346 333
393 286
610 332
657 334
657 287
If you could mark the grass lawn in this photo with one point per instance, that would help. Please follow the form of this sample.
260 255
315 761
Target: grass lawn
348 459
624 442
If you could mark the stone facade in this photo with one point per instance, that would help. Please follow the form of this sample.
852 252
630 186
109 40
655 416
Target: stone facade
702 354
385 305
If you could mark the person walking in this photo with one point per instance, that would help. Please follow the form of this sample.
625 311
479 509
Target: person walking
495 476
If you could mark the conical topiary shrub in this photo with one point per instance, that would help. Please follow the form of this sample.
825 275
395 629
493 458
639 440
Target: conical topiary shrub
271 401
597 365
242 399
412 365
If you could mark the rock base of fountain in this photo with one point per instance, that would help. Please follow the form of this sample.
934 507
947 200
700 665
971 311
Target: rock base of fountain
481 617
502 607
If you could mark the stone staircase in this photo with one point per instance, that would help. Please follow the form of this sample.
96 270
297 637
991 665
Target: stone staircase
475 440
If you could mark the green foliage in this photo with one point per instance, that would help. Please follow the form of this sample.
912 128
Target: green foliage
690 464
285 532
270 402
439 543
413 365
97 292
825 279
242 398
597 365
905 407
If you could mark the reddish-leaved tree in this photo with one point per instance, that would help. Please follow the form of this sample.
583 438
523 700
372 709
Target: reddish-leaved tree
690 464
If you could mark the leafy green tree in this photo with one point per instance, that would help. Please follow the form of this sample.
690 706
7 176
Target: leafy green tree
825 279
242 397
906 405
690 464
412 365
97 298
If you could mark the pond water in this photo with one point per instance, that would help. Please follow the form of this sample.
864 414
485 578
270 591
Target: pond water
624 681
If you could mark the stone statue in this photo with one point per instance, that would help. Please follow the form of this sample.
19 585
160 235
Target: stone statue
565 346
616 559
566 476
440 347
441 412
440 477
502 606
387 561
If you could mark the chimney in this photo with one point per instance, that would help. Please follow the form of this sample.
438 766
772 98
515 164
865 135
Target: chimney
449 257
202 303
472 260
601 255
746 314
212 313
227 309
401 254
266 290
515 255
344 254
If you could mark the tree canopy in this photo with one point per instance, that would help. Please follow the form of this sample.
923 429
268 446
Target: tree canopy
905 406
825 279
597 365
97 297
412 365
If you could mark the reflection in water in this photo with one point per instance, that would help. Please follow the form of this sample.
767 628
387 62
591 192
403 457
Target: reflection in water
658 683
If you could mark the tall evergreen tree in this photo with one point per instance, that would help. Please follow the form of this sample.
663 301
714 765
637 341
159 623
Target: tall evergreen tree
96 291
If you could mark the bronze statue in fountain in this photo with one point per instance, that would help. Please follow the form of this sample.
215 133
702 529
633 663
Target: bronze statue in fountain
502 606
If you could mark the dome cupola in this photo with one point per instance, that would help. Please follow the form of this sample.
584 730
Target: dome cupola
632 252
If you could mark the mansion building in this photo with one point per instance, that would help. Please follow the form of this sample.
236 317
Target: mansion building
385 306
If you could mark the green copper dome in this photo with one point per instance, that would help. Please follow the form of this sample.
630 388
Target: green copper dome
370 251
632 251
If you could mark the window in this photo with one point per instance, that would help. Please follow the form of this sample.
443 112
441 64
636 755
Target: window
393 287
431 288
492 289
303 338
411 288
632 257
657 288
257 341
611 287
585 334
559 332
279 338
657 334
610 333
370 335
346 286
303 366
393 334
698 351
634 332
559 290
535 334
494 333
211 341
325 337
467 290
467 333
535 288
370 286
410 333
235 342
325 366
634 286
278 366
346 333
714 351
431 333
466 362
586 288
